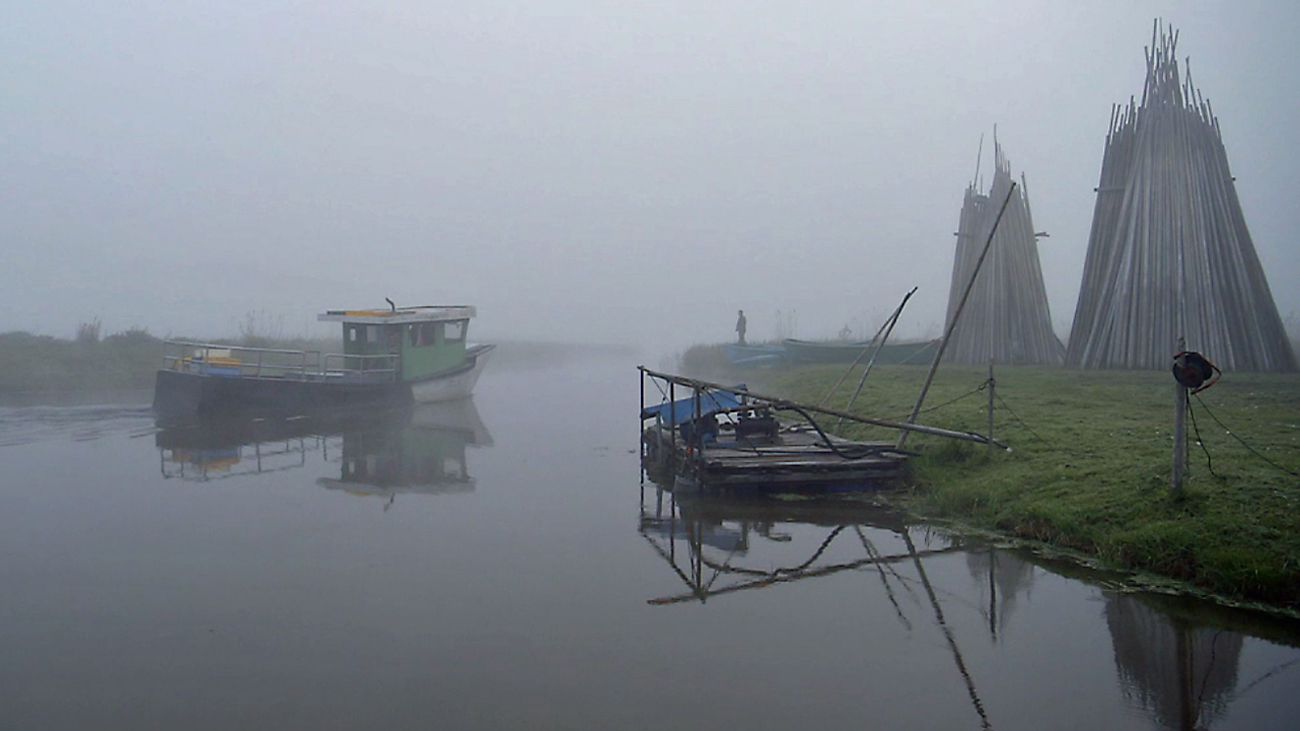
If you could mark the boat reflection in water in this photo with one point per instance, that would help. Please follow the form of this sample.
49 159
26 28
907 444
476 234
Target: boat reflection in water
424 455
418 449
1176 659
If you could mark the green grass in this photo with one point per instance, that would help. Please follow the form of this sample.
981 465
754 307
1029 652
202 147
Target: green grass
37 364
1091 464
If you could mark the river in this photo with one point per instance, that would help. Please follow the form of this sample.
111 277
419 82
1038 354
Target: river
501 563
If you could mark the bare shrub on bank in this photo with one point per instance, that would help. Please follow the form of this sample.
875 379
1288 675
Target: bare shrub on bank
261 330
88 332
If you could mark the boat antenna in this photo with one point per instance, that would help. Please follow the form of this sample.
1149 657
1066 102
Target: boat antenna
390 304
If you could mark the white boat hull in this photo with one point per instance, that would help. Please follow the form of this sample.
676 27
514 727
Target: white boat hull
455 386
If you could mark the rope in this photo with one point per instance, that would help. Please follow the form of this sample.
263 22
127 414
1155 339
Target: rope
1243 442
969 393
1195 428
1007 406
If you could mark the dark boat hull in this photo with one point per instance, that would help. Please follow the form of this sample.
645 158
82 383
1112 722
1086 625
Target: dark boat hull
186 395
180 395
754 355
805 351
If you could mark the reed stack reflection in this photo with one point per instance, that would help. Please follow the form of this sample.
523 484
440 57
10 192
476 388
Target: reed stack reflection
1179 660
1176 659
420 449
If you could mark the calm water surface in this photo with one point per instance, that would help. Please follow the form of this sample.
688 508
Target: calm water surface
501 564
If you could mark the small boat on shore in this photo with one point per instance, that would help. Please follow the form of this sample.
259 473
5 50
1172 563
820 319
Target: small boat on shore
390 357
754 355
810 351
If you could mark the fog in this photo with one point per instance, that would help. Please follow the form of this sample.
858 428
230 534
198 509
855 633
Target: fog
583 171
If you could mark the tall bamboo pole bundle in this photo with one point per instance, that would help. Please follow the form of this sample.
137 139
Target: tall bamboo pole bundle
1169 254
1007 317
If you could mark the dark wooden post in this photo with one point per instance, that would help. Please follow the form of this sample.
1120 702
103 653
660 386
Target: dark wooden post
990 434
672 425
641 427
1180 429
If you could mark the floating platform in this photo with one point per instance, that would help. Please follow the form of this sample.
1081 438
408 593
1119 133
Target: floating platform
727 438
796 457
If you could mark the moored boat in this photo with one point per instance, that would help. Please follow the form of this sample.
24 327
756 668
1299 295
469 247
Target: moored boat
390 357
754 355
810 351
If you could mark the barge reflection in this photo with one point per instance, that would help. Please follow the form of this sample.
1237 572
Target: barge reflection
1177 659
719 534
411 450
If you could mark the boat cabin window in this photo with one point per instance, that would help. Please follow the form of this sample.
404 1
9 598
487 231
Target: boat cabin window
454 332
355 333
422 334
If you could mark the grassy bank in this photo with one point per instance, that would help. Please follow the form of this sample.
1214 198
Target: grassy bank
36 365
40 368
1091 463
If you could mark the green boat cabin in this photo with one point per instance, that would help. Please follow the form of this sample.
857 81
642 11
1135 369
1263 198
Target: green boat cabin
418 342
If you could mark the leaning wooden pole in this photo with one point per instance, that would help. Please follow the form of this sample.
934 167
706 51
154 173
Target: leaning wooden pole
856 361
779 403
893 320
956 315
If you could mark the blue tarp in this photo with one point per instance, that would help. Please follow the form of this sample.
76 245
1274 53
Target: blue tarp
683 410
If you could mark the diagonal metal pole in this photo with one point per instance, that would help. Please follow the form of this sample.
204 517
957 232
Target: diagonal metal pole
902 438
893 320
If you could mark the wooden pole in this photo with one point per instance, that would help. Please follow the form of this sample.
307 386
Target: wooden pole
956 315
1180 430
990 434
893 320
874 339
780 403
672 427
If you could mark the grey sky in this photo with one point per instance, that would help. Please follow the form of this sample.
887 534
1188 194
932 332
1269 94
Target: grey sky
624 170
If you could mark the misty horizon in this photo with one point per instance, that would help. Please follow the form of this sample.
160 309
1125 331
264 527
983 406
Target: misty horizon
586 173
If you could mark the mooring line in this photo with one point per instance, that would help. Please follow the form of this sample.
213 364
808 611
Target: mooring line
1243 442
1016 416
968 394
1209 463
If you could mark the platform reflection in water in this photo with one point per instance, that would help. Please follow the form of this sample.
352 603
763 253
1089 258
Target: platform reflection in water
1176 659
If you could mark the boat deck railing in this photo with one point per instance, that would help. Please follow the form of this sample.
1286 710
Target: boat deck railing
219 359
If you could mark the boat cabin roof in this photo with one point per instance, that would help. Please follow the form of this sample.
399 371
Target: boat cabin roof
400 315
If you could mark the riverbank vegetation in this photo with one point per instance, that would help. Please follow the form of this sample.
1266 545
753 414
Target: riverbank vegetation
32 366
1090 464
40 369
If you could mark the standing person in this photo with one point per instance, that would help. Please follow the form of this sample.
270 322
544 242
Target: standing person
740 327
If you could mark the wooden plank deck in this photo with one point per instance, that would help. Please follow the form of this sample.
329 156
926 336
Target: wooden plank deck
793 458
